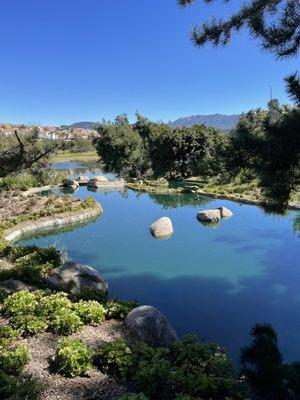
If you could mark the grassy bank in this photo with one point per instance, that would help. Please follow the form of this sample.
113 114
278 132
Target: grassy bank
68 156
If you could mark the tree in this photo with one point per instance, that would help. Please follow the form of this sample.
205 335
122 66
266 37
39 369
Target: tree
275 23
121 148
268 376
24 151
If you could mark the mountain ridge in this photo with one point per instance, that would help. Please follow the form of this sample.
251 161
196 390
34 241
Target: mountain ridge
219 121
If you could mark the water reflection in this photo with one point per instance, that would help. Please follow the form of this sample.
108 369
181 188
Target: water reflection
213 282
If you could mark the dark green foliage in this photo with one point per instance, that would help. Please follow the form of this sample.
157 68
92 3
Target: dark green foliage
87 293
73 357
191 369
121 148
118 309
132 396
268 145
280 37
268 377
20 388
31 264
115 358
13 359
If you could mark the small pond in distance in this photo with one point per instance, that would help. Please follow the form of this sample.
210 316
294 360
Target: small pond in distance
215 283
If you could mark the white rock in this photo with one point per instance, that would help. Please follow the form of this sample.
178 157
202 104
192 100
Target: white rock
209 215
225 212
162 228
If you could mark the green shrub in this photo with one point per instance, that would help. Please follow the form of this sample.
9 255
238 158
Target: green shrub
54 303
20 388
118 309
65 322
87 293
115 358
29 324
22 302
73 357
132 396
7 335
90 312
13 360
188 370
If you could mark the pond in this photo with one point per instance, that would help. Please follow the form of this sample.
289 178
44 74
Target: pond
214 282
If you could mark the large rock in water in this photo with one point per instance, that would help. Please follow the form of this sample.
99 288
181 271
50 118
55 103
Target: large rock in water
225 212
70 183
209 215
151 326
73 277
162 228
82 180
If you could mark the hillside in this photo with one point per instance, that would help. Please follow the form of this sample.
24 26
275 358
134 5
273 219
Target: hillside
220 121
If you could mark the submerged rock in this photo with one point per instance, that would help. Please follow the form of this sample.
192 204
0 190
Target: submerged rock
225 212
151 326
162 228
209 215
73 277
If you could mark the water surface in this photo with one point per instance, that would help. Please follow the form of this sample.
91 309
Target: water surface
215 282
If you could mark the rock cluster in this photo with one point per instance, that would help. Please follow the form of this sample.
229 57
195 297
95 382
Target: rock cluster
214 215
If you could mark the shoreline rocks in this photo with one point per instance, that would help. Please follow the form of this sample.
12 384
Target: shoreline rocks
162 228
73 277
151 326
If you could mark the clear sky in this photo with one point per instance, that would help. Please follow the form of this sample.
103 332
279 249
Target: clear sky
64 61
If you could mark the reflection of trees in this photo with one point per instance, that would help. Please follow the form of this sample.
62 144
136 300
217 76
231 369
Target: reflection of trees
44 232
296 224
179 200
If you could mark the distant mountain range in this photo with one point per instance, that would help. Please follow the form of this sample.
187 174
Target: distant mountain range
83 125
220 121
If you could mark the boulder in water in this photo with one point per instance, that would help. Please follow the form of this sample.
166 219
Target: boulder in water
225 212
162 228
82 180
209 215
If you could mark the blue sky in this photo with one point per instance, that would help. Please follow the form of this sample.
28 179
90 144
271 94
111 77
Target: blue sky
73 60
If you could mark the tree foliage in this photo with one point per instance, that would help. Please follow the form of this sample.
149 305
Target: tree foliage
24 151
268 376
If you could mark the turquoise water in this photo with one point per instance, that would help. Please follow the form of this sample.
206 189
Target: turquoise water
215 282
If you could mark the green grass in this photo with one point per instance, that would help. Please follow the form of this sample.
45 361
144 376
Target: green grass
68 156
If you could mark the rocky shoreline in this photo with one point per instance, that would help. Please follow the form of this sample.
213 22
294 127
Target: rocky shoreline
68 218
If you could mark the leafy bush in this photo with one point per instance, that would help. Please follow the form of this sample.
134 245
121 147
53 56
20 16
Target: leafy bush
21 388
65 322
87 293
54 303
20 303
73 357
31 263
90 311
132 396
115 358
118 309
13 360
29 324
188 370
7 335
